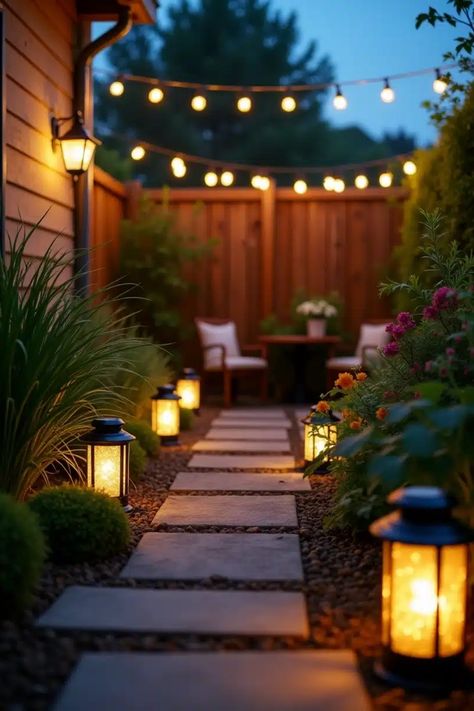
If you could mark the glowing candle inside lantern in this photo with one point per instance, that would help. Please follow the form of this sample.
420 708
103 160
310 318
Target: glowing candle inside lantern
188 388
106 469
165 414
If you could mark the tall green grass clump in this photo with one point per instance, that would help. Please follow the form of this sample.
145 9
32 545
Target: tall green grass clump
56 359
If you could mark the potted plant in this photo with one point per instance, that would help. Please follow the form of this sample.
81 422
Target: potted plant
316 311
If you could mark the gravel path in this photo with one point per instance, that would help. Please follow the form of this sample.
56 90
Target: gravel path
342 587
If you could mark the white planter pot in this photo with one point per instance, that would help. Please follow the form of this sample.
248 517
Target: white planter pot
316 327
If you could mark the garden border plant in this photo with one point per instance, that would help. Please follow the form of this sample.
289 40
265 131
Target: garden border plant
408 422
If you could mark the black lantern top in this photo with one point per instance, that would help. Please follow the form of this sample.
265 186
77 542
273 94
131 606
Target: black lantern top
107 430
189 374
319 418
166 392
424 516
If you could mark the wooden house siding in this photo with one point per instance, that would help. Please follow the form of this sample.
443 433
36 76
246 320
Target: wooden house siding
39 50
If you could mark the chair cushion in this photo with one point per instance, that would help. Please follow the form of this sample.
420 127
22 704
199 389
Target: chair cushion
371 335
241 363
343 363
224 334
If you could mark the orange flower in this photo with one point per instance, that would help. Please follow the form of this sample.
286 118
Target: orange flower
361 376
346 413
381 413
356 424
323 406
345 381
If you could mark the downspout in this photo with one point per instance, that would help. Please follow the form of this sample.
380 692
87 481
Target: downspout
83 185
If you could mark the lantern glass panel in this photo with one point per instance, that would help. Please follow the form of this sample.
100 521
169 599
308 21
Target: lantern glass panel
452 599
317 439
106 474
165 417
77 153
189 392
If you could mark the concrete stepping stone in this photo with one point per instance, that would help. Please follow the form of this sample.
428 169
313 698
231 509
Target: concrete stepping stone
300 680
236 556
228 511
240 481
242 433
254 412
236 461
132 610
205 445
253 421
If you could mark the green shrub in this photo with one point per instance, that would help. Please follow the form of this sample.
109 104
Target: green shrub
153 252
148 367
55 361
80 525
22 553
186 419
444 180
148 440
137 461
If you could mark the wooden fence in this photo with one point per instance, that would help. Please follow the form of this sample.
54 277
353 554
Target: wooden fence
272 244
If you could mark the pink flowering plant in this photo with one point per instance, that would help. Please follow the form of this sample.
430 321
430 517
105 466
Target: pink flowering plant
392 430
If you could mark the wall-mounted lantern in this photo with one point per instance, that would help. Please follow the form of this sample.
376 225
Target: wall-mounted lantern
108 453
77 145
425 585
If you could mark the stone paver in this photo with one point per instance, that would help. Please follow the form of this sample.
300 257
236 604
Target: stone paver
252 413
283 423
178 611
234 461
205 445
240 481
236 556
304 680
228 511
242 433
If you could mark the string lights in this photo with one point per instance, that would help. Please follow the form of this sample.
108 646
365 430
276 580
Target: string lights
217 172
288 102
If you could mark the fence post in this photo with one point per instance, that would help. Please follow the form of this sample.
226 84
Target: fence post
267 247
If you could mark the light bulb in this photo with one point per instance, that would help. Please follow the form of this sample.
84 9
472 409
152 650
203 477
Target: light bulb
227 178
137 153
409 167
361 181
288 104
264 182
387 94
300 186
155 95
176 162
117 88
385 179
178 167
211 179
198 102
339 102
328 182
256 181
244 104
339 185
439 85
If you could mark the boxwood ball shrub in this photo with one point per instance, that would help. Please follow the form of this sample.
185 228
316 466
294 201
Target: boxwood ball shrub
148 440
22 553
137 460
80 525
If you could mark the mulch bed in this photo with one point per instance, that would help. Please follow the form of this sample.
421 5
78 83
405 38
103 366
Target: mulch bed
342 587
